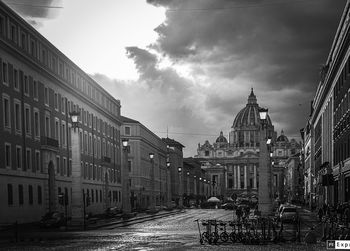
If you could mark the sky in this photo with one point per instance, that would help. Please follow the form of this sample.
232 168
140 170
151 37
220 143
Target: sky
186 67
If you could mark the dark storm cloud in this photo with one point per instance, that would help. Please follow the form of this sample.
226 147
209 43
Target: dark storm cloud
278 46
292 37
147 66
36 10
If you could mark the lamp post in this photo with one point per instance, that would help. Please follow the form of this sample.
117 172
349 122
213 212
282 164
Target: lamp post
200 186
265 197
126 207
179 169
168 165
78 200
153 204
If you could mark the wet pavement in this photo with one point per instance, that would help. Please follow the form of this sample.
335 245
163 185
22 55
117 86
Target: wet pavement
172 232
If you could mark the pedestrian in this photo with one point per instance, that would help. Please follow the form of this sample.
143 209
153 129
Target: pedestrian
320 214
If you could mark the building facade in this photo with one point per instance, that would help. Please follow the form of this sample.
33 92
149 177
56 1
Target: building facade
39 87
148 179
328 127
196 184
176 170
282 150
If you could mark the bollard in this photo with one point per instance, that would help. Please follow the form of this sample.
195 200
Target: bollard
280 235
16 231
299 230
325 234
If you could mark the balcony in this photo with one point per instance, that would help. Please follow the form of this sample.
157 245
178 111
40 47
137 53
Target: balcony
49 143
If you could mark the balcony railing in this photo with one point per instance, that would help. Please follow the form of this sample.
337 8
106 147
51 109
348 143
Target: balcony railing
49 142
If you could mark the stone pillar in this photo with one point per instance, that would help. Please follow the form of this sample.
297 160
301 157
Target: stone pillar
254 178
238 177
180 189
234 177
265 199
125 183
169 187
152 197
77 190
245 177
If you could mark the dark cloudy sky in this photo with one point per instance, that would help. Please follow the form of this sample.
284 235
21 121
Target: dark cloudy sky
189 64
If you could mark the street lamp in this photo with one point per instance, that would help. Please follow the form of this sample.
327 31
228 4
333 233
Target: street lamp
125 175
125 142
168 164
265 198
151 157
75 119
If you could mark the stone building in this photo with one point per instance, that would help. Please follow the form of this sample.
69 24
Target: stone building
232 165
148 179
327 150
39 87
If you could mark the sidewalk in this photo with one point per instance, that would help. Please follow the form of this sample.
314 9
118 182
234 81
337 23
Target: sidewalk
33 233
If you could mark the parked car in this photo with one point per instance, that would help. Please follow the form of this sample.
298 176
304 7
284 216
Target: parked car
112 212
52 219
288 214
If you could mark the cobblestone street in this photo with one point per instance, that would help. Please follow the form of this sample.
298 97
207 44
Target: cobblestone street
175 232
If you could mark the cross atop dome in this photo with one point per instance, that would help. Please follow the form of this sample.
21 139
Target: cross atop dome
252 97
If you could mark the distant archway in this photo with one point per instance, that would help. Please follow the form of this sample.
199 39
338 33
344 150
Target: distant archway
51 185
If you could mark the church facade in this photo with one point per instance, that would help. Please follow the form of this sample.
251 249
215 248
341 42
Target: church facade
233 165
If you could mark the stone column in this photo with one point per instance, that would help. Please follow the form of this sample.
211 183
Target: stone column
245 177
152 197
234 177
180 189
77 190
254 178
265 199
238 177
125 183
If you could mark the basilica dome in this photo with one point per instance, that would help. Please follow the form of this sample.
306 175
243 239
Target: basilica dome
221 138
249 115
282 138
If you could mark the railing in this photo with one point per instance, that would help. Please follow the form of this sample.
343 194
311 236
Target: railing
49 142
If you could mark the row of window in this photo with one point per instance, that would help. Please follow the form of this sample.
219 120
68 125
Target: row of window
98 147
342 109
61 104
342 149
341 83
16 112
101 147
29 44
95 172
241 183
13 200
19 155
96 196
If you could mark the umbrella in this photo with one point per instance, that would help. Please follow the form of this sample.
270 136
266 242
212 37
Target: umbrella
213 199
